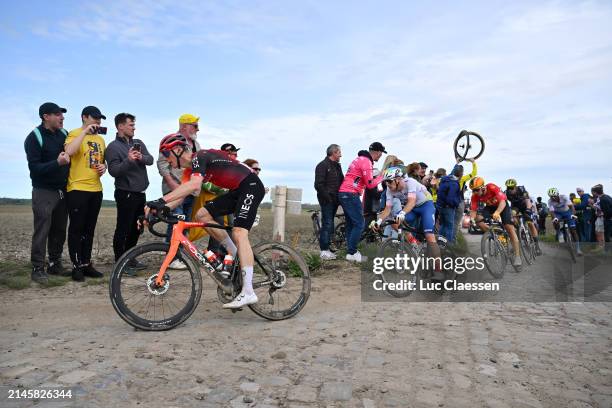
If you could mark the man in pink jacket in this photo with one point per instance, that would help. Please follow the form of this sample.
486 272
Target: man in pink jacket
357 179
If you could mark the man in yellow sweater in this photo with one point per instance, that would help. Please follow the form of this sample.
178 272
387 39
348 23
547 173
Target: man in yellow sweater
86 149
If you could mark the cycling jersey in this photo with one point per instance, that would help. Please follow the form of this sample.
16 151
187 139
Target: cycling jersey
518 197
411 186
218 168
562 205
492 197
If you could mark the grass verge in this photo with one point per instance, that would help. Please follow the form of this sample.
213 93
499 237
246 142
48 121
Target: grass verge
16 275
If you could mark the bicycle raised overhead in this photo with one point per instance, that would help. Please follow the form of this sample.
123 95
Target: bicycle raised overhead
159 298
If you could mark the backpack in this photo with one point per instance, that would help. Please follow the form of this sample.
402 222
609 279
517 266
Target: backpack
39 135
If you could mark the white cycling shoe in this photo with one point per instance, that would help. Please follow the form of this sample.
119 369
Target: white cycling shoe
241 300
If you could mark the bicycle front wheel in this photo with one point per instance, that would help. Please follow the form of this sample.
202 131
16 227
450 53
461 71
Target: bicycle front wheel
281 280
145 305
526 252
570 244
493 254
399 282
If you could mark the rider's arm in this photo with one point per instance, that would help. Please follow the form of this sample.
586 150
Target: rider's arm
410 203
500 207
185 189
385 213
370 182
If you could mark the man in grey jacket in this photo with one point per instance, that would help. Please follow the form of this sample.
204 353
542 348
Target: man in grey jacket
127 159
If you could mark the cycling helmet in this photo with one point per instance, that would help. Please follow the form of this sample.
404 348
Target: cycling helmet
171 141
393 173
511 183
553 192
476 183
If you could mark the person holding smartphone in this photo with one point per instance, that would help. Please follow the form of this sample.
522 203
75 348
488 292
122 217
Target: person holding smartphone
86 147
127 159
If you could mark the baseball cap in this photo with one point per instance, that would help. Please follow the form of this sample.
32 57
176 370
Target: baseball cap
188 118
423 165
378 147
93 112
228 147
48 108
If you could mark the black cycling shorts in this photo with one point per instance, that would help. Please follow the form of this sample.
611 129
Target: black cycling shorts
242 202
506 214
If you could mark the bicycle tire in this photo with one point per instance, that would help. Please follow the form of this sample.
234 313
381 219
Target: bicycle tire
525 247
119 273
491 248
339 238
468 134
570 244
395 247
292 264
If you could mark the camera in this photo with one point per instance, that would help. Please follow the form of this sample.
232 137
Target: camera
101 130
136 147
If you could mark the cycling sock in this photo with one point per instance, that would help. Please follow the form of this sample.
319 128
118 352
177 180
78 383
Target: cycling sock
230 246
247 280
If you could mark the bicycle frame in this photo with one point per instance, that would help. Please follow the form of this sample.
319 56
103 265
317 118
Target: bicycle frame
178 238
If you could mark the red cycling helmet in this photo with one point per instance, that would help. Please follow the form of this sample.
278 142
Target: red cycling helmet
171 141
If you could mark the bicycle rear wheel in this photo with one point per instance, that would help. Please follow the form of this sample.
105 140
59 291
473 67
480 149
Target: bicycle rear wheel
143 304
396 281
281 281
526 248
493 254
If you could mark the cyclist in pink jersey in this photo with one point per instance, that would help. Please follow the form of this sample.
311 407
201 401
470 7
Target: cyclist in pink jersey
357 179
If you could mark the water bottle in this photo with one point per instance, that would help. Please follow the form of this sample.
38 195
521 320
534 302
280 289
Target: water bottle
228 262
212 259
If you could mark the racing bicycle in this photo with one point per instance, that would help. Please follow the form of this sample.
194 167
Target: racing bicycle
526 240
496 248
159 298
568 239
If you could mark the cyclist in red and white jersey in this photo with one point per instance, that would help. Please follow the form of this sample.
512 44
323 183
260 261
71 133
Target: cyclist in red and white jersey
245 193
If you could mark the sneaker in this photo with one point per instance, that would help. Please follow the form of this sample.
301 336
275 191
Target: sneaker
176 264
137 265
356 257
39 275
90 271
327 255
56 268
77 274
242 299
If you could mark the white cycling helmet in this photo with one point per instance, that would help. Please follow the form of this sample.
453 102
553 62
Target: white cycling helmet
393 173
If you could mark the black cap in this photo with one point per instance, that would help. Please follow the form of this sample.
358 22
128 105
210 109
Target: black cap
228 147
423 165
377 147
93 112
48 108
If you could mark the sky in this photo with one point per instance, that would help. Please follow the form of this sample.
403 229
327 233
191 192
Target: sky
283 80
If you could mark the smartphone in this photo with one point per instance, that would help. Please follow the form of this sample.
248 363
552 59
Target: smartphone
102 130
136 147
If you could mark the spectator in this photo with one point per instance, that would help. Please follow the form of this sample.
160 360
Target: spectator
127 159
542 214
172 177
358 177
328 178
604 203
254 165
422 171
86 149
448 200
584 211
49 167
231 150
463 179
414 170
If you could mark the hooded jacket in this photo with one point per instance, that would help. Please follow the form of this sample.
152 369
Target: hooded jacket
449 193
359 175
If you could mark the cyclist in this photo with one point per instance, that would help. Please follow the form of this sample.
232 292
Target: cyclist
496 206
519 199
408 199
561 208
245 193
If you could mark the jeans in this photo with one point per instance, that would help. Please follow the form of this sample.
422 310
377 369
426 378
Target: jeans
183 209
447 223
353 211
585 229
328 213
608 233
395 209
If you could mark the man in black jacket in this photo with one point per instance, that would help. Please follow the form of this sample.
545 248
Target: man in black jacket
604 202
127 159
328 177
49 166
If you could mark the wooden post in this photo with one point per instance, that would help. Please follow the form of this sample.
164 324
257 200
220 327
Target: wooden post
279 203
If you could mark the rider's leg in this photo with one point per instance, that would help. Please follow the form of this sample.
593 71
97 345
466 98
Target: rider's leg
245 253
513 239
219 234
391 230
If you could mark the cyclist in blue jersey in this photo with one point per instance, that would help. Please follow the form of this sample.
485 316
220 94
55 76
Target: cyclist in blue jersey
561 208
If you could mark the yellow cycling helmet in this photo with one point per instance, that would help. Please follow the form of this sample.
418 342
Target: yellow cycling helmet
476 183
511 183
